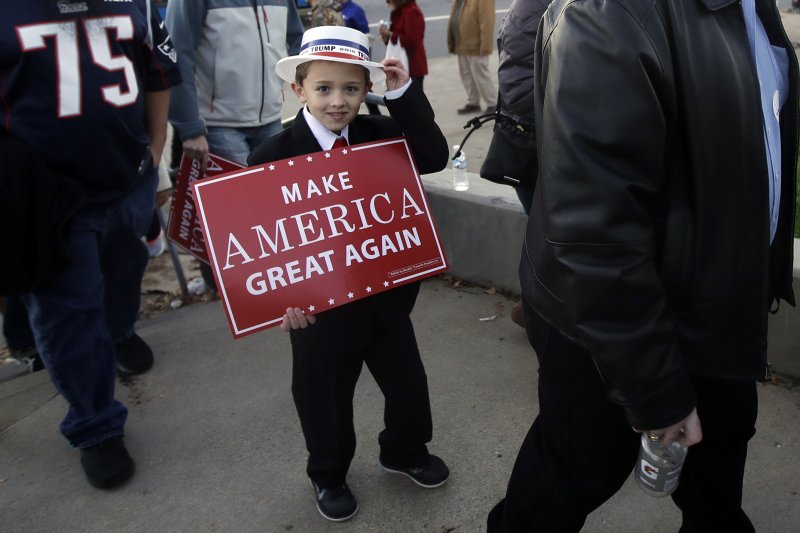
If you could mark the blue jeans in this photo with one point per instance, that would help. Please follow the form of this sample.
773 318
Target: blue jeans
124 256
76 315
237 143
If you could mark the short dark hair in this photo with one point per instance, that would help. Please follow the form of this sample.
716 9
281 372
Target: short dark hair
302 71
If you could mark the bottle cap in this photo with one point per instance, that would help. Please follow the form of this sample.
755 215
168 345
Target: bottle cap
653 436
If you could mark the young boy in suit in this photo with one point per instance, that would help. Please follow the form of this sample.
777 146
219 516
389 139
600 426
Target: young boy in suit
329 349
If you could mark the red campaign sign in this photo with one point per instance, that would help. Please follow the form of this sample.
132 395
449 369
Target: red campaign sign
184 228
317 231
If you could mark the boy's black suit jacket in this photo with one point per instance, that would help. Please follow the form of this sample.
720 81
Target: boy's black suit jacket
348 327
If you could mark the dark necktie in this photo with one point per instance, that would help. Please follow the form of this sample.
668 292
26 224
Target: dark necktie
340 142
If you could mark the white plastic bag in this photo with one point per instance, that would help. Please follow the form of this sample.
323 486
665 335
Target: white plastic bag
396 51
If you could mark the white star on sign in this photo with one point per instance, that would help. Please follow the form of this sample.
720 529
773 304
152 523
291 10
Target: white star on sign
350 294
309 159
331 301
369 289
385 283
327 155
291 163
344 151
272 167
311 308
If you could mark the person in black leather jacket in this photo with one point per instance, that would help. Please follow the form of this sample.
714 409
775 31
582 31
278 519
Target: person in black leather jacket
660 234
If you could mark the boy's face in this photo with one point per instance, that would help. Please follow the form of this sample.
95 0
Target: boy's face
333 92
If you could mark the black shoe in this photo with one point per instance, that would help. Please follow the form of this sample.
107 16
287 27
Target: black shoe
491 109
336 504
29 357
134 356
469 108
432 474
108 464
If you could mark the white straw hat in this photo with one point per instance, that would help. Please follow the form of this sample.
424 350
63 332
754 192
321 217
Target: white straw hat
332 43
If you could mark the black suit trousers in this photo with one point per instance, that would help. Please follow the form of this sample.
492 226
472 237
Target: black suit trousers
327 360
580 449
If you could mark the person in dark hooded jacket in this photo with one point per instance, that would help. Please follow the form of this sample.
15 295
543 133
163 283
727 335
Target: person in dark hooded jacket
515 44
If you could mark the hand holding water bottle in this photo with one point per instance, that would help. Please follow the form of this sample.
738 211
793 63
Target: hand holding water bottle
662 453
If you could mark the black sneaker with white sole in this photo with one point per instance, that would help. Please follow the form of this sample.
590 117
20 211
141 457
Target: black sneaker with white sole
433 473
336 504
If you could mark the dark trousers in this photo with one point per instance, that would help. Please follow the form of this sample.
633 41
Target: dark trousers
327 360
124 256
76 316
123 259
154 228
581 449
67 315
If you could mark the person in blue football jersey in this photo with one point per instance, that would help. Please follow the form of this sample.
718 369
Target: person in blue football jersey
84 94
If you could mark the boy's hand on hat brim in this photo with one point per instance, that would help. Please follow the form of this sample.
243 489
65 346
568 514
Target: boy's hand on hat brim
396 73
296 319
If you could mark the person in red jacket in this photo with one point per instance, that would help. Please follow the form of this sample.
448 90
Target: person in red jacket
408 26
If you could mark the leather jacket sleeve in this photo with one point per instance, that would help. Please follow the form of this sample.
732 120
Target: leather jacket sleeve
605 97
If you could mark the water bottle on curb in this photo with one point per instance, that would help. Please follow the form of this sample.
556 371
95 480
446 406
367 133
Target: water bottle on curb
659 467
460 178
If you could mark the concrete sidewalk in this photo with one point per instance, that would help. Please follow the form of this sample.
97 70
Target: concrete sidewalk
219 448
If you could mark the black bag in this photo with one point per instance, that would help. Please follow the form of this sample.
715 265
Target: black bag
511 158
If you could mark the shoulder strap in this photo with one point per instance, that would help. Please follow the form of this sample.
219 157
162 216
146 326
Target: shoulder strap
473 124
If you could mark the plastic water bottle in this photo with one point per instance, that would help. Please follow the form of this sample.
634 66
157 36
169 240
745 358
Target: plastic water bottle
658 469
460 178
